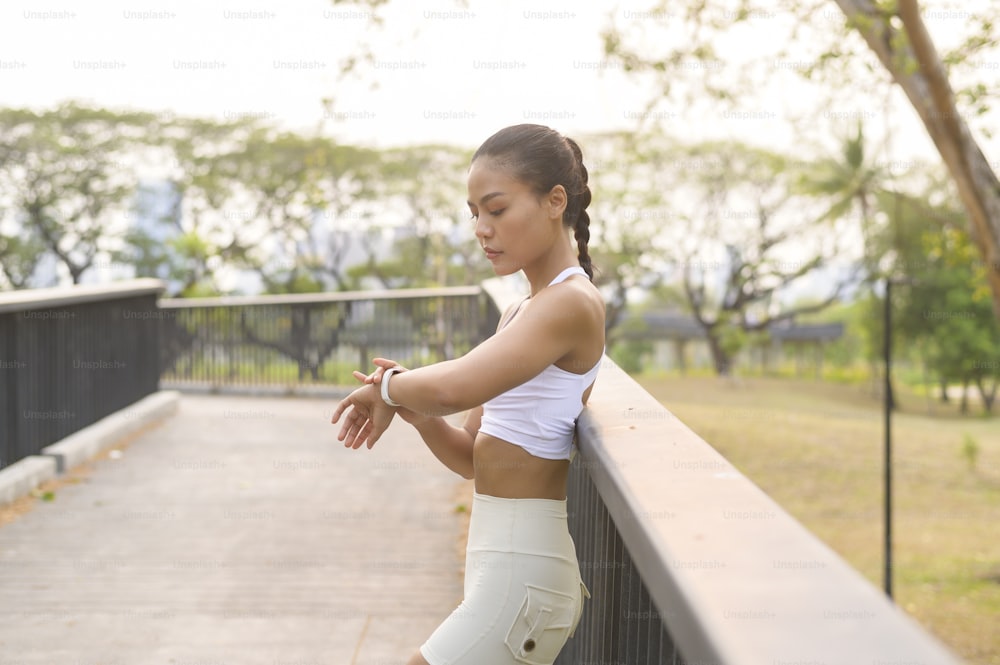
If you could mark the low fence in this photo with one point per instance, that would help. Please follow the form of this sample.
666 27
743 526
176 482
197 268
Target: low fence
292 341
71 356
689 562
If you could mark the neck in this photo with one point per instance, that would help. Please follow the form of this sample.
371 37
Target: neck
544 271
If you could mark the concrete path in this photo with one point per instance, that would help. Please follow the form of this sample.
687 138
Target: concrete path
238 532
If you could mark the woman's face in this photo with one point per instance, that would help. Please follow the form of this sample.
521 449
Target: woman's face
513 225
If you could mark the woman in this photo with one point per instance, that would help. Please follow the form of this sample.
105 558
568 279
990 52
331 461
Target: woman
523 389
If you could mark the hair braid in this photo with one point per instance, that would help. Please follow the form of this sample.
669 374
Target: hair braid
581 223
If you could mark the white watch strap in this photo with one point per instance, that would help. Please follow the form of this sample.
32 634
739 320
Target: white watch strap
386 375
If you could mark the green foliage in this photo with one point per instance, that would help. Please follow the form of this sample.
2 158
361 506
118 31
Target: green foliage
19 255
630 354
435 245
947 311
856 59
65 174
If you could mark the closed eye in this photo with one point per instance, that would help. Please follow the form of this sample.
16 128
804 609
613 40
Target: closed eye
493 213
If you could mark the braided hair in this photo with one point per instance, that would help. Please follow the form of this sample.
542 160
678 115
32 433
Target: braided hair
543 158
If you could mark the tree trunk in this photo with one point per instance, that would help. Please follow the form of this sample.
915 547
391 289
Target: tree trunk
930 93
680 355
988 394
720 359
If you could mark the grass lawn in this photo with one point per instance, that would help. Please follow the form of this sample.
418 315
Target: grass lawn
817 449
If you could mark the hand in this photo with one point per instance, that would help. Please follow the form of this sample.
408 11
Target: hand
375 378
381 364
367 419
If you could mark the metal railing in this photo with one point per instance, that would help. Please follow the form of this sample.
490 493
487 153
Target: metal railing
689 562
71 356
625 627
295 340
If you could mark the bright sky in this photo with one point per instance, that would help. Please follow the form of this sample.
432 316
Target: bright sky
442 73
468 72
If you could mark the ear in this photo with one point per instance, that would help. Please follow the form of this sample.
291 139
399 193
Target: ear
556 201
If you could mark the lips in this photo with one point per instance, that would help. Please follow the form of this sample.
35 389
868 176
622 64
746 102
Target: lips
491 253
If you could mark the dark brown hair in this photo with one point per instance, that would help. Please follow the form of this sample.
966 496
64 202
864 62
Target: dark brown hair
543 158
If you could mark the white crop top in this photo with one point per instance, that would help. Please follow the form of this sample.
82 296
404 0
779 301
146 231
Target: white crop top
540 414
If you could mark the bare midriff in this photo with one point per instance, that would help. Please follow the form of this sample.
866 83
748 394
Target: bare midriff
506 470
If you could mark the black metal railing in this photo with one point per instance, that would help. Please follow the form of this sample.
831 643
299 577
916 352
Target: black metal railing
620 623
294 340
71 356
689 562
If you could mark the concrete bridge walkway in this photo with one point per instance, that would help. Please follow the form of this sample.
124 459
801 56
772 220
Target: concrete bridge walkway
238 532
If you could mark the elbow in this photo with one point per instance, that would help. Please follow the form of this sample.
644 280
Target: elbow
447 400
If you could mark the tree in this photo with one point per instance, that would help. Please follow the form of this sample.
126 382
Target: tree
247 196
286 189
19 256
749 238
908 53
630 212
893 30
852 181
421 190
945 309
66 175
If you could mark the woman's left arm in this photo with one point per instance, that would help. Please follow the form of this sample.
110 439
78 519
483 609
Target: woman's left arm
555 323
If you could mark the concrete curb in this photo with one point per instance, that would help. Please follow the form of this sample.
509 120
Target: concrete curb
81 446
25 475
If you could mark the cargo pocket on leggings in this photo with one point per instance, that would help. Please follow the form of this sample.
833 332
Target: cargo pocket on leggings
542 626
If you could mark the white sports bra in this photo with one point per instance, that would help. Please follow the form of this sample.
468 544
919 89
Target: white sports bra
540 414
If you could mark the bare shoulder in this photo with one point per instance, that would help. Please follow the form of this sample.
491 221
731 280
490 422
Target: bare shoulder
575 302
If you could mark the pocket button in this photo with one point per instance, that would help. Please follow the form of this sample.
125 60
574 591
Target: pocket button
529 645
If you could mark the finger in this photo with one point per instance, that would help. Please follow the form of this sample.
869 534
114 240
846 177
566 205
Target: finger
380 422
350 436
383 364
375 433
339 410
363 378
348 423
363 435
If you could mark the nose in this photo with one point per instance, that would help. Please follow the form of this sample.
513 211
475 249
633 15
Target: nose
483 228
